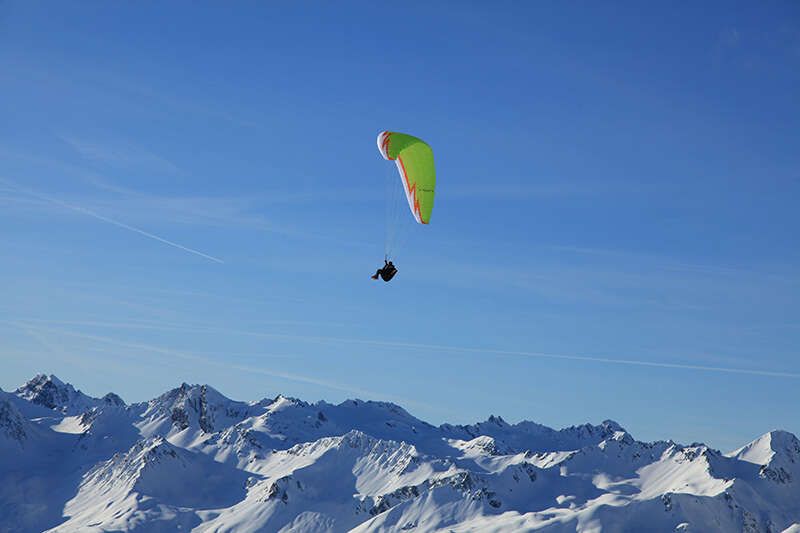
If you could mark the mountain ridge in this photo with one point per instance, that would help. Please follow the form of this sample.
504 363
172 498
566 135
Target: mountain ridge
193 459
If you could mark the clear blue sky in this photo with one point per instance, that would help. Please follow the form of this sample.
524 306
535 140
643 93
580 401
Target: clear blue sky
616 183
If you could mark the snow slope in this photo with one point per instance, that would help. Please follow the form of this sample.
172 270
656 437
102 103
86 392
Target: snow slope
194 460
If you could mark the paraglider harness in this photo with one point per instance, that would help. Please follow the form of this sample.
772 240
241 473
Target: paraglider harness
387 272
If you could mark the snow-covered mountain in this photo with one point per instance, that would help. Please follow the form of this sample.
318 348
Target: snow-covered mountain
52 393
194 460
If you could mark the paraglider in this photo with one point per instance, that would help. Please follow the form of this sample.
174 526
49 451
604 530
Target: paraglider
386 272
414 160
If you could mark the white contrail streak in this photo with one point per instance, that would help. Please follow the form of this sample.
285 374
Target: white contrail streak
181 354
515 353
117 223
490 351
465 349
140 231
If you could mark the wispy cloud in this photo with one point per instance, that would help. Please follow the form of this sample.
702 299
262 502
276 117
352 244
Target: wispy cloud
496 351
194 357
113 222
136 324
672 264
93 82
121 154
55 351
250 212
518 353
628 281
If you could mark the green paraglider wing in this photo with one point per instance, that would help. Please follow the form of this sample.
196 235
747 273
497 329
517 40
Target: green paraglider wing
414 160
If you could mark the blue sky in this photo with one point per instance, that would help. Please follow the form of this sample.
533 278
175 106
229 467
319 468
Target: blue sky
615 232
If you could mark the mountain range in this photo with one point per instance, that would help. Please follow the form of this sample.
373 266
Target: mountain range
195 460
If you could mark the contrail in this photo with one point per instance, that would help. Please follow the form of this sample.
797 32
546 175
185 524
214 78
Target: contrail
181 354
490 351
117 223
515 353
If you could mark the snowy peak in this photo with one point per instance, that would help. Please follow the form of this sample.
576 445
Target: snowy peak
52 393
777 453
606 430
192 459
357 444
113 400
157 469
199 407
775 444
787 449
282 402
483 445
530 436
375 406
147 453
284 422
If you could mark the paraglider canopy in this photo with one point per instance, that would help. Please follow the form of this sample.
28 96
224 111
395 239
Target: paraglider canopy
414 160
